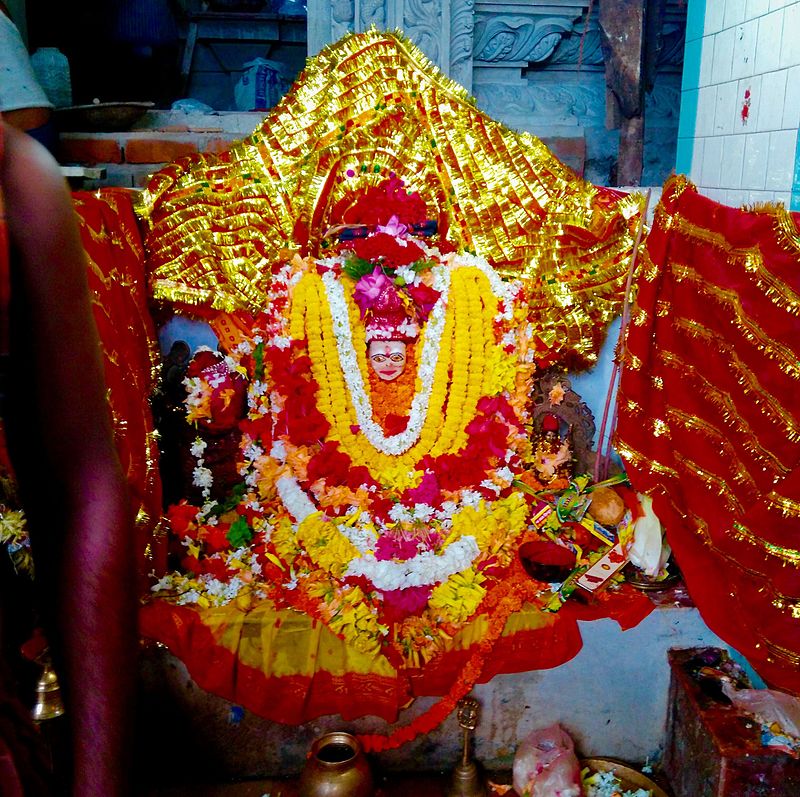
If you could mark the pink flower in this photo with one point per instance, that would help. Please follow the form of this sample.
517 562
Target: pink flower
369 289
393 227
424 298
391 546
427 492
399 603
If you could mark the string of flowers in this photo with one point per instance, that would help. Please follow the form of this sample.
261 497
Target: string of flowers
510 598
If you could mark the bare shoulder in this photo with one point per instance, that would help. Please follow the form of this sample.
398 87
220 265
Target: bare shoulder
32 181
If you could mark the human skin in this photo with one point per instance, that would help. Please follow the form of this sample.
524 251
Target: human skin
387 358
70 481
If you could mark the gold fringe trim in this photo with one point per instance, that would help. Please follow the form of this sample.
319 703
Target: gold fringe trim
744 377
784 357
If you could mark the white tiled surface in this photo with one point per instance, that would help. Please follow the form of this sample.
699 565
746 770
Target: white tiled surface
723 56
744 49
780 162
790 42
754 169
768 43
715 15
711 167
725 116
732 160
750 122
755 8
791 103
734 13
748 45
771 107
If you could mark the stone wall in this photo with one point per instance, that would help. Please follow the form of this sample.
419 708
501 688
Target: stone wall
536 66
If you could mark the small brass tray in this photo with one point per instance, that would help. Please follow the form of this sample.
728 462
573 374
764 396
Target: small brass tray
629 777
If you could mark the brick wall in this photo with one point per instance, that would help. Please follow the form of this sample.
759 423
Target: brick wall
161 137
740 106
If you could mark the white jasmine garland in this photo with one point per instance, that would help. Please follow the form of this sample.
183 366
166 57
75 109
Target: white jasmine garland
252 452
190 596
278 451
399 514
505 473
297 503
399 443
505 291
471 498
488 484
423 512
424 569
198 447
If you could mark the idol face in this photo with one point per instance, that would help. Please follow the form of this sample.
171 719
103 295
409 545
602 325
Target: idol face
387 358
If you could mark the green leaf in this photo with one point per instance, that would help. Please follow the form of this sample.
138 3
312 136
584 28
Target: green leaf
258 359
231 502
239 533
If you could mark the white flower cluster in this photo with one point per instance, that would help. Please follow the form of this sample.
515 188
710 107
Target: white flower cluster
294 498
424 569
201 475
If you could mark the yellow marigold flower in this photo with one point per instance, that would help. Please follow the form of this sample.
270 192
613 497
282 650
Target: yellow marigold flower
458 597
399 478
283 539
503 370
356 622
327 548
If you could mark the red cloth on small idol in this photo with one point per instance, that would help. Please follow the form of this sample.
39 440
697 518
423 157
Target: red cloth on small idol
709 421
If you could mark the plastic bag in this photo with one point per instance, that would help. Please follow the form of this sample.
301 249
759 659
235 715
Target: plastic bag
545 765
261 85
648 552
768 706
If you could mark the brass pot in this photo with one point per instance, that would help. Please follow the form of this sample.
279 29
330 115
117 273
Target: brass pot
336 767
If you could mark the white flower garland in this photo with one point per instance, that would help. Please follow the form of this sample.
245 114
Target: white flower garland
294 498
425 569
399 443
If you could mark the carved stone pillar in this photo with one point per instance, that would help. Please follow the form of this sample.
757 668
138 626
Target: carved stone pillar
442 29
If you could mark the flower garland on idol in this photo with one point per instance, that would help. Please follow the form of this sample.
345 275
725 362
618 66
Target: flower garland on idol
381 404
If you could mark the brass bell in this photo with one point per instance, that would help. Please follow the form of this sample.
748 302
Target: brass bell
48 695
467 780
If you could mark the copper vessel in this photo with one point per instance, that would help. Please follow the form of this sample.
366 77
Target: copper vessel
336 767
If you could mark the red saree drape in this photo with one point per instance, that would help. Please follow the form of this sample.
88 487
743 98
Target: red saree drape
710 414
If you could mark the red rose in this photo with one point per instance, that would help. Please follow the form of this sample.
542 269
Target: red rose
330 464
388 250
182 519
215 538
424 298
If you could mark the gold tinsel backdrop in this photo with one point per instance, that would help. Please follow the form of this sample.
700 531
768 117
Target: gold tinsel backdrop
370 106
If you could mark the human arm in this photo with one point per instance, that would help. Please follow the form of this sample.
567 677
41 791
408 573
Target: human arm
70 481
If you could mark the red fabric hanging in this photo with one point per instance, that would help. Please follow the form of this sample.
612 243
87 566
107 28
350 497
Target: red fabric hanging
709 417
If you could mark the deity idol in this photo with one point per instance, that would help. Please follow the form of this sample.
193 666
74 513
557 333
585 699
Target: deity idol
389 328
387 419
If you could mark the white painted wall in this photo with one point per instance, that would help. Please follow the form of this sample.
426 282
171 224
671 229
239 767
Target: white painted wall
747 100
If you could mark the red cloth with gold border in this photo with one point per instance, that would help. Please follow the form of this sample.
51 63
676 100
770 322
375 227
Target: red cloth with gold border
709 419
